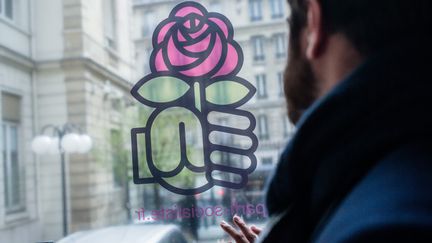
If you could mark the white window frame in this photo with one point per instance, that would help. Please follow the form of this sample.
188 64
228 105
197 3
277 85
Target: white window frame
109 19
263 128
255 10
258 48
7 166
280 45
280 77
261 84
149 24
277 9
288 127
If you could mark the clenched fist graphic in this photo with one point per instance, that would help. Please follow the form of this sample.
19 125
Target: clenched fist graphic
194 63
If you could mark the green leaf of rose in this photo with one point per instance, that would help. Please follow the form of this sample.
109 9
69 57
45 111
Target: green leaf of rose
163 89
226 92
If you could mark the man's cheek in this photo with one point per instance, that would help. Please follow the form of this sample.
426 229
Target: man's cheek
300 85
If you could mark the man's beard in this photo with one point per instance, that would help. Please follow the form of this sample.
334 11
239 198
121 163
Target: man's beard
300 84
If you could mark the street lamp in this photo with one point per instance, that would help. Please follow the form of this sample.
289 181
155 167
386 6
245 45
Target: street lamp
65 139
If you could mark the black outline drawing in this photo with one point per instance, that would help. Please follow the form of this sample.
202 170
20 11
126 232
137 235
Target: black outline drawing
187 101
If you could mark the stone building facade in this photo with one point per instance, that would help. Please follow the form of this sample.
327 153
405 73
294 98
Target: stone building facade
63 62
19 207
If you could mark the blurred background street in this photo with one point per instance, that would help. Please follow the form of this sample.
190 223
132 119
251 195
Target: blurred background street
66 71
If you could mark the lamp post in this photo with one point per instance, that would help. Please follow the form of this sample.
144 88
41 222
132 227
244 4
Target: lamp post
64 139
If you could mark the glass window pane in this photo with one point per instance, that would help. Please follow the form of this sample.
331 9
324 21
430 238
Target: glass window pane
262 127
13 138
109 16
6 170
281 83
261 69
277 8
274 7
118 158
255 10
15 169
8 6
261 83
258 48
13 188
149 24
179 131
267 161
280 45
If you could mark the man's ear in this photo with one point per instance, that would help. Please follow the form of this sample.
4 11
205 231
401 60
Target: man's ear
314 31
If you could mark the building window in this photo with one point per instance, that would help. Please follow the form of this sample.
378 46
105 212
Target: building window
110 23
258 48
225 138
267 161
13 186
222 96
116 104
261 84
215 7
288 127
255 10
7 9
281 84
263 132
119 159
280 45
277 9
147 57
149 24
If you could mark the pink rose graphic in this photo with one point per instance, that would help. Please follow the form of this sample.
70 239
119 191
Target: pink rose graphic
195 43
194 67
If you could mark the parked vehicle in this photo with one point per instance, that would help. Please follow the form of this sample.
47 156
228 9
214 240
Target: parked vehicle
140 233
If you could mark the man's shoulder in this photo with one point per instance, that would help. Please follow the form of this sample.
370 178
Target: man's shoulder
393 202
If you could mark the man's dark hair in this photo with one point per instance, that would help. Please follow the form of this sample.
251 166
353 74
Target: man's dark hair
369 24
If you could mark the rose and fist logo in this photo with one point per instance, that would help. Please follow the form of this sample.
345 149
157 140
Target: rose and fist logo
194 57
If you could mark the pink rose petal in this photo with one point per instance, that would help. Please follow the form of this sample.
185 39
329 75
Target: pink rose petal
221 25
188 10
231 62
159 62
187 24
164 31
200 46
198 33
209 63
181 37
176 57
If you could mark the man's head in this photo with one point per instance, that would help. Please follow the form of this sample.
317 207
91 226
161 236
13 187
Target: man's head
329 38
